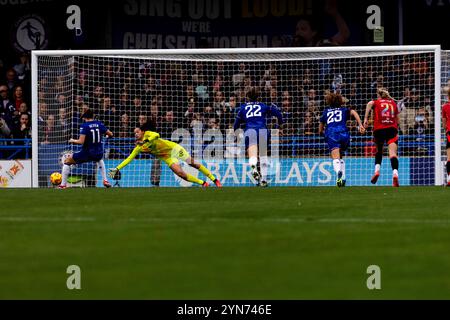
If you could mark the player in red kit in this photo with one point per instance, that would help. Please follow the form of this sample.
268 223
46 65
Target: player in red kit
446 125
385 130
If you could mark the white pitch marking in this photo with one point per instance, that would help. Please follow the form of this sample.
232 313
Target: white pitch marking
47 219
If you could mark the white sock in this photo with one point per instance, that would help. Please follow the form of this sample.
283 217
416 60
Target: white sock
343 168
264 162
448 178
101 166
65 174
337 165
377 168
395 172
253 161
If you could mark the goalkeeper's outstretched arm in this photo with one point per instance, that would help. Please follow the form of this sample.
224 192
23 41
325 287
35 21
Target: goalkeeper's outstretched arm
114 171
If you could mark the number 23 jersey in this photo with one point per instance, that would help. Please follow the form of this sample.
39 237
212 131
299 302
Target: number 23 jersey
335 118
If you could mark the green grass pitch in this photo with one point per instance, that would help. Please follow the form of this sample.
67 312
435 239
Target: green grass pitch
230 243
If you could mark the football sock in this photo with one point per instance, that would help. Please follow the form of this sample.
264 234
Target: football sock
377 167
337 165
65 174
378 158
206 172
394 165
253 161
101 166
343 168
264 162
193 179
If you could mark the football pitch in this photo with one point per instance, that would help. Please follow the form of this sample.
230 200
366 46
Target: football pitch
230 243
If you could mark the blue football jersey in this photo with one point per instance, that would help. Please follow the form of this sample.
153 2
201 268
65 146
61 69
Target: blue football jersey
335 118
94 132
255 115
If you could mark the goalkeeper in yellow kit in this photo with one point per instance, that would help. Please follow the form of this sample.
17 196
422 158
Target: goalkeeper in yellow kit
167 151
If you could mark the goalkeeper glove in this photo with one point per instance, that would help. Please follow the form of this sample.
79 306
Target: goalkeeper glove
114 174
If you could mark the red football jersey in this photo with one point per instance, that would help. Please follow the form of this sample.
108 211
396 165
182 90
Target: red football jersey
385 111
446 115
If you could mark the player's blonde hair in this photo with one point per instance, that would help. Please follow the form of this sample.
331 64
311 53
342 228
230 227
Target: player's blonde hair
384 93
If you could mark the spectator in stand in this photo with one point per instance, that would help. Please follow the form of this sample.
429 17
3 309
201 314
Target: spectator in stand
168 125
312 103
136 108
209 112
228 114
247 83
190 92
125 126
108 114
141 120
273 96
408 107
62 125
202 89
23 68
4 134
11 81
23 109
309 125
22 131
97 98
189 113
238 78
42 113
124 103
7 107
18 97
218 102
421 124
212 124
50 132
155 110
61 102
196 122
289 116
150 89
218 84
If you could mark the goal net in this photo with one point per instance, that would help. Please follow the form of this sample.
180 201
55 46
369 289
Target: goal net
192 97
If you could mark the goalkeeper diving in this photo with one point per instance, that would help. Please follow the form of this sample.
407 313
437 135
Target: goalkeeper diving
170 152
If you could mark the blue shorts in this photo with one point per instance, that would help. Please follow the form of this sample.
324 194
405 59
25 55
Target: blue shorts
337 140
85 156
260 137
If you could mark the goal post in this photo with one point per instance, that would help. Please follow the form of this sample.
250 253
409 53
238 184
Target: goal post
192 96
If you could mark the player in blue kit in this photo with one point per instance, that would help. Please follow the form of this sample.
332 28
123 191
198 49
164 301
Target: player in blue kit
334 123
91 135
255 114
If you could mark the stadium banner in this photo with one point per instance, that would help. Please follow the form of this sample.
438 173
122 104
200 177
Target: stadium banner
140 24
282 172
15 173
